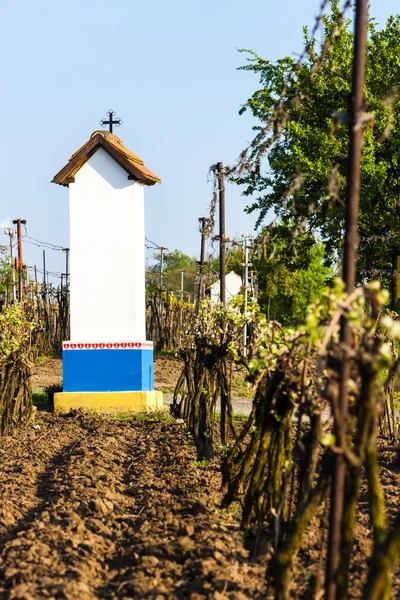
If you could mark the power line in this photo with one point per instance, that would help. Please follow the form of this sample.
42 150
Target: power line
156 246
54 273
41 244
45 244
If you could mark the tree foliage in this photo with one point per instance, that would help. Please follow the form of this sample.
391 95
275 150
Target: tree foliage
175 263
234 260
302 175
5 278
291 273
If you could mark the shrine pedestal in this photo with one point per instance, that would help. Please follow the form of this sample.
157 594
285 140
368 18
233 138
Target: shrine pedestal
108 402
108 377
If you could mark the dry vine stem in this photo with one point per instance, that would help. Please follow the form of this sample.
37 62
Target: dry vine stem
15 351
167 332
36 328
206 373
278 468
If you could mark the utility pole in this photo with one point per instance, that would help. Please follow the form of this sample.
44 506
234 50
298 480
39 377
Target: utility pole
11 233
252 284
200 291
247 245
182 272
356 107
222 240
219 171
66 250
162 250
20 264
222 283
44 268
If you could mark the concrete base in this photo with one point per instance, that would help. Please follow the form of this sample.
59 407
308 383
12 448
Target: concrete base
108 402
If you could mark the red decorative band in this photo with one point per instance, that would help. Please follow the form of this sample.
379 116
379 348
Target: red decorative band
108 346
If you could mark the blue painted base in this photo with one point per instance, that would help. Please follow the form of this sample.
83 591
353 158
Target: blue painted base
103 370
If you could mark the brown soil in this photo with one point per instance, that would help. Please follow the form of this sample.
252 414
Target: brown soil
99 508
167 369
109 509
311 560
47 373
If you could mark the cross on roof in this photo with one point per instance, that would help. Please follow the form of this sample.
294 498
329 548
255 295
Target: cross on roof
110 120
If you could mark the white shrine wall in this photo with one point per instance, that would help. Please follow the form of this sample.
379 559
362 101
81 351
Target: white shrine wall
107 260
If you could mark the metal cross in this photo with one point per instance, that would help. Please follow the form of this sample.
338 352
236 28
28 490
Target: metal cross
110 121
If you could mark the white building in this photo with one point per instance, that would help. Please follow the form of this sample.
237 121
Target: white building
233 284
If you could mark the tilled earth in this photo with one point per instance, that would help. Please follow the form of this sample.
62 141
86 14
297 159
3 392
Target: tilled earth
103 508
100 508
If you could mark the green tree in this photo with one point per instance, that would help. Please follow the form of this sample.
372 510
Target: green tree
291 273
310 148
5 278
175 263
234 260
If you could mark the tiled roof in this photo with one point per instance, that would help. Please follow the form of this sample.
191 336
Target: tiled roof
112 144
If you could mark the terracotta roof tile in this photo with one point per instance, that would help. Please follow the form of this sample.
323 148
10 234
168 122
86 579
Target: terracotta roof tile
112 144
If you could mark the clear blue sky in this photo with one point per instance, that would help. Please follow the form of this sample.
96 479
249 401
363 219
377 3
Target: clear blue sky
168 68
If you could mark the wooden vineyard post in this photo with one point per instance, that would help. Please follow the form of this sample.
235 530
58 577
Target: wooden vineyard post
11 233
349 273
200 291
222 283
20 265
162 250
247 244
222 241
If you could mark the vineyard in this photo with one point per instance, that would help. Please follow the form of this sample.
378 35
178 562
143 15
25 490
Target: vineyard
296 495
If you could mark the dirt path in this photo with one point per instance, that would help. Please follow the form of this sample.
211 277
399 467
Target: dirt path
99 508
